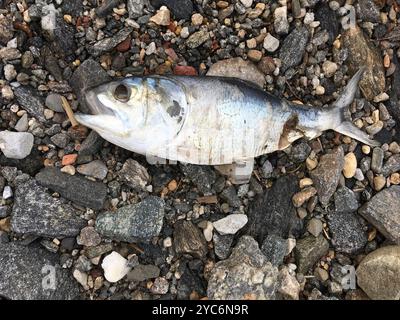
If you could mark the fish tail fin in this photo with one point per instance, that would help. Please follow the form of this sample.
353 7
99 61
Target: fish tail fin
344 126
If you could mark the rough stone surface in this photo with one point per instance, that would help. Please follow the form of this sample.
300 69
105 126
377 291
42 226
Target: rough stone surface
230 224
36 212
181 9
134 222
345 200
222 245
108 44
238 68
274 248
327 174
30 101
23 269
308 251
202 176
246 274
75 188
189 239
293 48
134 174
378 274
383 212
143 272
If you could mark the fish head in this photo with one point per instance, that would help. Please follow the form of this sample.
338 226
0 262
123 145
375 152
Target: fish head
137 113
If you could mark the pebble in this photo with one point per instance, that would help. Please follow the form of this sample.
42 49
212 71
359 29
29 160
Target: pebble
143 272
289 288
379 183
81 277
308 251
254 55
329 68
185 33
281 24
115 267
89 237
381 97
293 48
162 17
69 159
16 145
274 248
197 39
96 169
350 165
189 240
314 227
197 19
9 72
54 102
230 224
208 231
7 93
160 286
377 160
345 200
68 169
271 44
304 195
134 175
382 212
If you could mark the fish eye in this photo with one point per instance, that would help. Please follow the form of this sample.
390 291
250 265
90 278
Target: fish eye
122 93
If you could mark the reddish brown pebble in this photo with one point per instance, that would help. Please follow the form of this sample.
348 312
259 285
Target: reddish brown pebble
69 159
124 45
185 71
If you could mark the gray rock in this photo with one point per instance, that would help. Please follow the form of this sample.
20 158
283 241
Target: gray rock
300 152
91 145
108 44
106 8
273 212
188 239
308 251
36 212
6 29
54 102
230 196
377 160
378 274
72 7
134 175
75 188
25 270
202 176
89 73
96 169
30 101
16 145
3 211
222 245
97 251
198 38
143 272
135 8
181 9
392 165
348 235
89 237
8 54
327 174
63 38
246 274
367 10
22 124
383 212
345 200
134 222
61 140
274 248
293 48
238 68
328 20
51 65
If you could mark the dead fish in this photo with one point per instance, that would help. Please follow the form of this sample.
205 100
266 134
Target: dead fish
218 121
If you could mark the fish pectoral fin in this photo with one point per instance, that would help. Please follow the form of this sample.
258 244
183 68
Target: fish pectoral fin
102 122
237 172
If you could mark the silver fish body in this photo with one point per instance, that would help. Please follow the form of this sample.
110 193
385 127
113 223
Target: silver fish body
218 121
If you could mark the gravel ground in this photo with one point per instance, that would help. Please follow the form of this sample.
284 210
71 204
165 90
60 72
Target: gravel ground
319 220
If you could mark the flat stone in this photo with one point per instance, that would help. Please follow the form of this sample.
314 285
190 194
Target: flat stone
76 188
16 145
293 48
392 165
327 174
274 248
383 212
91 145
308 251
345 200
30 101
203 177
54 102
230 224
96 169
108 44
222 245
36 212
135 8
89 237
134 175
378 274
131 223
273 212
238 68
348 235
246 274
188 239
26 274
143 272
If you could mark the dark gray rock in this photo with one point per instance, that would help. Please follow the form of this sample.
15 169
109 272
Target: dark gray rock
308 251
273 212
203 177
36 212
54 102
377 160
189 282
345 200
328 20
61 140
97 251
391 165
143 272
188 239
230 196
88 74
72 7
134 175
107 7
348 235
136 7
30 101
181 9
91 145
300 152
383 212
30 165
63 39
3 211
76 188
222 244
246 274
327 174
367 10
293 48
108 44
134 222
51 65
274 248
26 271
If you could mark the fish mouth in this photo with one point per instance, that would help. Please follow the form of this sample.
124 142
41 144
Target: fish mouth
94 104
